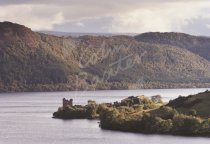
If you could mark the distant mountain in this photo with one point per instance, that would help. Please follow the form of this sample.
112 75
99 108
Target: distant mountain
197 44
78 34
33 61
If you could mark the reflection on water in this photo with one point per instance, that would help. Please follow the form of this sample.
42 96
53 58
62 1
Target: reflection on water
25 118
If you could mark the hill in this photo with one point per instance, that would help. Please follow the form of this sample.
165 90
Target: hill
152 62
197 44
32 61
197 104
27 63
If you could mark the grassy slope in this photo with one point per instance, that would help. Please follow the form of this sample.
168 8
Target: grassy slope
199 102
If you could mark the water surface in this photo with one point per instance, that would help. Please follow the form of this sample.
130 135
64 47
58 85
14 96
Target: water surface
25 118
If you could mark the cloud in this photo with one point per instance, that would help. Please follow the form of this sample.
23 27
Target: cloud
92 2
165 17
26 14
80 24
92 25
198 26
108 16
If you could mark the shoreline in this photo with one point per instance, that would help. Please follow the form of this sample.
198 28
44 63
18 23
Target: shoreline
140 114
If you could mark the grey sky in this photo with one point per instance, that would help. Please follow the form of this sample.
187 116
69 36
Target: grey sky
138 16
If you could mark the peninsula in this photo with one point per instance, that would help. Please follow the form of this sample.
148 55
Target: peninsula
186 116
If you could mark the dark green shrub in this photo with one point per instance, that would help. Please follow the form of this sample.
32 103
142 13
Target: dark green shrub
186 125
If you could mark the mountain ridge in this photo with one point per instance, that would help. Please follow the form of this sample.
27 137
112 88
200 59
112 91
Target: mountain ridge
33 61
78 34
196 44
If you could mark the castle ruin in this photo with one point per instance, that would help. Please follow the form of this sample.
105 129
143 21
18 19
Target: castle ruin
67 102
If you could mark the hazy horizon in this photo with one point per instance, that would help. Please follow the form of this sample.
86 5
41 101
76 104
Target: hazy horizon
113 33
120 16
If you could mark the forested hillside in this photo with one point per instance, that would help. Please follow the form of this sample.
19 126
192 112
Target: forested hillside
31 61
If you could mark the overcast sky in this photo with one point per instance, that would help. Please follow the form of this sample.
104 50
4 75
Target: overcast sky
110 16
